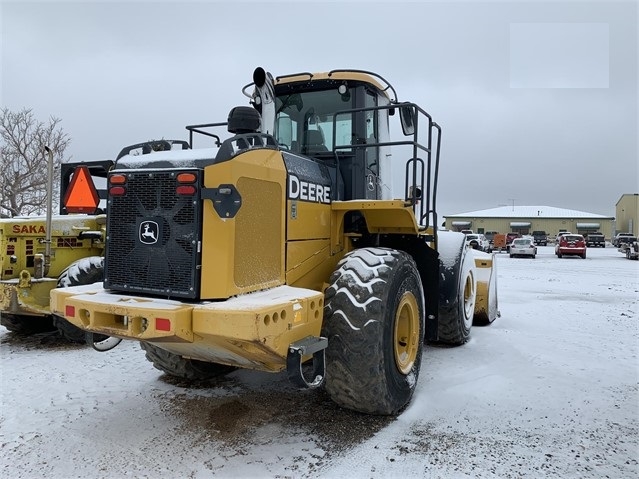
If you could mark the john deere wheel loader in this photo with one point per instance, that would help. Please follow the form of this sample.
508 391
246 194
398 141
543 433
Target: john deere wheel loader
286 247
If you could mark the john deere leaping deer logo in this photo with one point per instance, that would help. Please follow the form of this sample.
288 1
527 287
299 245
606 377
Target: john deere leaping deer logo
149 232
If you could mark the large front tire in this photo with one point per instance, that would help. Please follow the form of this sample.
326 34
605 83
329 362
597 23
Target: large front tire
457 290
183 368
374 322
84 271
26 325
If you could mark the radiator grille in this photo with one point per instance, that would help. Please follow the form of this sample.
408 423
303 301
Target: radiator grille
152 237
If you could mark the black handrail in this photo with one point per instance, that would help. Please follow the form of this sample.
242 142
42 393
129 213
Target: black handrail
423 211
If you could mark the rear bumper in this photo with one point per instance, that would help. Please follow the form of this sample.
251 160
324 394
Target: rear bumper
572 250
27 297
250 331
523 251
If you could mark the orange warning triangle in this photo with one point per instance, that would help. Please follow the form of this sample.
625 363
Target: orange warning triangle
81 196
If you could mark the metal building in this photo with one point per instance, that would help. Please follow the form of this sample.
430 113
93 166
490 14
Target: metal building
526 219
627 210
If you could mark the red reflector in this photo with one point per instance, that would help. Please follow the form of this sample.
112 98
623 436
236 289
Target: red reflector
117 190
69 311
162 324
117 179
188 190
186 178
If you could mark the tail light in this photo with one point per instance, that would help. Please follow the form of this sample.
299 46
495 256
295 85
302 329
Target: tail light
186 184
185 190
117 185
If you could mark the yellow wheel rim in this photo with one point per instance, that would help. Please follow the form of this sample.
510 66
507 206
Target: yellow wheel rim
469 297
406 338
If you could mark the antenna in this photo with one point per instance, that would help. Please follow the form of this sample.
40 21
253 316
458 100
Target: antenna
513 202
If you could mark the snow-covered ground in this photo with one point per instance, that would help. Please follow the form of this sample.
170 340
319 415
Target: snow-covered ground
549 390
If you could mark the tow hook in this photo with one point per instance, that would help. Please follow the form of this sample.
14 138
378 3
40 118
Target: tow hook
304 347
102 345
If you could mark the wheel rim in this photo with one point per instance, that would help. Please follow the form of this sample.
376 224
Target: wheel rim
405 341
469 297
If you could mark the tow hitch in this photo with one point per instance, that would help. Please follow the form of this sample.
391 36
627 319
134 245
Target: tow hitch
304 347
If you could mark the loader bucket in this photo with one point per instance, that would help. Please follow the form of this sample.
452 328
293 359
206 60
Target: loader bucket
486 309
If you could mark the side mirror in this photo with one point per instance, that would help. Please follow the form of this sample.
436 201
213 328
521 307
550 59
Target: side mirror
407 117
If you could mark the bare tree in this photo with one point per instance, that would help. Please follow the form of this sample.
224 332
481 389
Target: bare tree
23 163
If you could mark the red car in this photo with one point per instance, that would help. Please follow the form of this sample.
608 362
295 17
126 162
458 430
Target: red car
571 244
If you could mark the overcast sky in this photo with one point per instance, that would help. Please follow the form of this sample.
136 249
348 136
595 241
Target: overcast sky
537 100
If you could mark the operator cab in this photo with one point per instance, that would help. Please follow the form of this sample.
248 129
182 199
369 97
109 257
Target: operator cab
316 119
342 118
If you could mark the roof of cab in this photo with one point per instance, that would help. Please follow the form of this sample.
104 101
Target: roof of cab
355 75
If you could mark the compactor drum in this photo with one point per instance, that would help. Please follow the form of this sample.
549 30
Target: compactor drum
304 240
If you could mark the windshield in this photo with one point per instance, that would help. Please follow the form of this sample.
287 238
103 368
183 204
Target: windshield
304 121
521 242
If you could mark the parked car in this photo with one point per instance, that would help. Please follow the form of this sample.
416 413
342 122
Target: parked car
540 237
625 243
510 237
523 247
559 235
632 250
596 239
622 238
571 244
479 242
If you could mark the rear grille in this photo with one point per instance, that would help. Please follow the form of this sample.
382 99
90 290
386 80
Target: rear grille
152 237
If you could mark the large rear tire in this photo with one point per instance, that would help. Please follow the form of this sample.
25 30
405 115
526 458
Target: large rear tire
374 322
27 325
84 271
177 366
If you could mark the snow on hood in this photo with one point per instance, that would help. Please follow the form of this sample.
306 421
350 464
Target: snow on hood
178 158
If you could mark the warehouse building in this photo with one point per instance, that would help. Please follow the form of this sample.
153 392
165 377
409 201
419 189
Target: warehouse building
526 219
627 209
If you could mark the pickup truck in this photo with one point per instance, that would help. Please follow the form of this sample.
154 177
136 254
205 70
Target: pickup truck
596 239
621 238
629 246
540 237
632 250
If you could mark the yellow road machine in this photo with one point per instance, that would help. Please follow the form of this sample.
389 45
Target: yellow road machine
305 239
38 253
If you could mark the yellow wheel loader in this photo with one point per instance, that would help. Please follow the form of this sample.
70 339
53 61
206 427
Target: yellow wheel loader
303 239
38 253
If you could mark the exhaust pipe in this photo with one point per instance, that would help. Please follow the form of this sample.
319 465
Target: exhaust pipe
47 238
264 99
